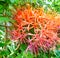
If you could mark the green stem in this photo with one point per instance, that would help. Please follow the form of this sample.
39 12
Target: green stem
48 54
6 35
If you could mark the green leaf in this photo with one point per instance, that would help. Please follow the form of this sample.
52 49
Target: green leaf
5 19
4 52
1 8
19 55
23 47
12 1
8 42
27 55
32 31
4 3
40 2
57 52
11 47
33 1
2 44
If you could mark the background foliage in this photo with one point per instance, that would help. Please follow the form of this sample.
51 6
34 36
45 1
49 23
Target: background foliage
11 49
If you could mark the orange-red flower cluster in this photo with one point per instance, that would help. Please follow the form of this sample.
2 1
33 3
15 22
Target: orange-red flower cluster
45 28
